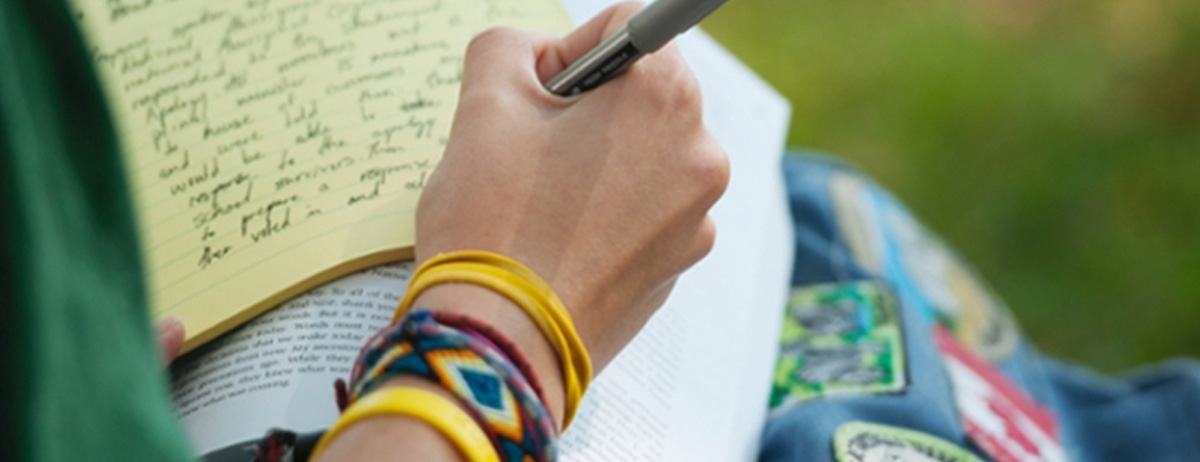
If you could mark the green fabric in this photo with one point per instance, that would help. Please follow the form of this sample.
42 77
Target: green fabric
82 378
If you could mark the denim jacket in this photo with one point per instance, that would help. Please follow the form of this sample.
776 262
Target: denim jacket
849 231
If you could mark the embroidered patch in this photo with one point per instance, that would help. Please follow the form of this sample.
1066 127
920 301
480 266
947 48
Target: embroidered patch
867 442
1001 419
855 215
839 339
885 240
958 297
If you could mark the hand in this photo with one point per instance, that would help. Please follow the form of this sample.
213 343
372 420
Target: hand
605 195
170 333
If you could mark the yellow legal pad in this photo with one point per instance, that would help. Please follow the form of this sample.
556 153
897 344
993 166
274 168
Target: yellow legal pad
274 145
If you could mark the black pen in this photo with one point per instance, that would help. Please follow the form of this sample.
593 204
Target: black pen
646 32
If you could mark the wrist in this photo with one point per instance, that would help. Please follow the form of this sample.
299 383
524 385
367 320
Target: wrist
506 317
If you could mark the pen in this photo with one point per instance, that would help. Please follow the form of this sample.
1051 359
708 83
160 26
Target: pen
646 32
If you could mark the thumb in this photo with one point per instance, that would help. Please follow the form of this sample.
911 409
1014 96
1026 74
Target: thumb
170 332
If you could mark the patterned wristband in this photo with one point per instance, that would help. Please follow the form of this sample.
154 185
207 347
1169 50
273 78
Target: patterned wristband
474 369
527 291
495 338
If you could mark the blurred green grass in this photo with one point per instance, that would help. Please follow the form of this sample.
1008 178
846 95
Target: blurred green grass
1054 143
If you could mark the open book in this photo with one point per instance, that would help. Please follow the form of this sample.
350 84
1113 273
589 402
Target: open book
693 386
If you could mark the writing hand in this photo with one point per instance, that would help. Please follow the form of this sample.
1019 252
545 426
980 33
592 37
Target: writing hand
605 195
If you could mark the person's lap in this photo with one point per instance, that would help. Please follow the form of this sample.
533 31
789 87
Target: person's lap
860 258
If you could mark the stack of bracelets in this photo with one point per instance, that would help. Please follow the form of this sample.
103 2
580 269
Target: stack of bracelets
500 415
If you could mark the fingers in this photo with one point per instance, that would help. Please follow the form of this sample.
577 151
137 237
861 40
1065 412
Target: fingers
710 169
706 238
561 53
170 333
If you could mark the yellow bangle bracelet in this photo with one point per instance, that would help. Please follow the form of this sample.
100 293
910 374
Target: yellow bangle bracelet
525 289
519 284
576 365
434 409
500 282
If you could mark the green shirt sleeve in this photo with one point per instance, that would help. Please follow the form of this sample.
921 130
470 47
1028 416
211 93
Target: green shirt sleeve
82 379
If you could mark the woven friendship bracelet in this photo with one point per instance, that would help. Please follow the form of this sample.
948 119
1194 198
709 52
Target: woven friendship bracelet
528 291
474 370
493 337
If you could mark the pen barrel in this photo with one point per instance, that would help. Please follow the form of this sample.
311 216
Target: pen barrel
599 65
662 20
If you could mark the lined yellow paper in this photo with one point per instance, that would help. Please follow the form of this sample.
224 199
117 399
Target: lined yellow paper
273 145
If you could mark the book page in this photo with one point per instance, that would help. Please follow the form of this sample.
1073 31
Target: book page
751 121
275 144
694 384
278 370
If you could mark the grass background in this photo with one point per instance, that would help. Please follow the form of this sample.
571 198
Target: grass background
1054 143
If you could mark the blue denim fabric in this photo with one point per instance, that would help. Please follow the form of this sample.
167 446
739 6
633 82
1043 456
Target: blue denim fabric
1152 415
